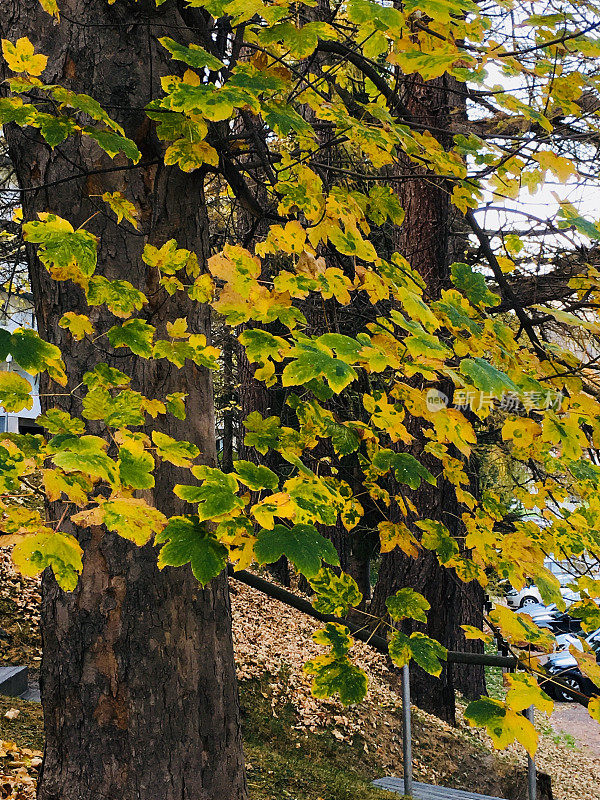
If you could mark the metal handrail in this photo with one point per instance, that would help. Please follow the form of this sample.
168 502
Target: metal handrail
380 644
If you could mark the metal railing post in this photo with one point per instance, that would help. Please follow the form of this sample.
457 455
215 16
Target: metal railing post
531 770
406 732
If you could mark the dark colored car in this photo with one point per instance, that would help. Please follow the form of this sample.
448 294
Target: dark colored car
553 619
563 666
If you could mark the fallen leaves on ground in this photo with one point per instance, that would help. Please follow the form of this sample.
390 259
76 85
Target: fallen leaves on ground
18 771
20 641
275 640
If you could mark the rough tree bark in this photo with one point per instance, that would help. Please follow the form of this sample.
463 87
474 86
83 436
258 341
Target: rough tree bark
138 676
426 239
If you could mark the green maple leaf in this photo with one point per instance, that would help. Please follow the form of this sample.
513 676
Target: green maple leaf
124 409
175 352
350 242
343 438
106 377
472 285
335 636
135 334
61 246
422 344
175 403
179 453
194 55
84 454
427 653
345 347
486 377
255 477
301 42
215 497
437 537
4 344
384 204
407 604
456 314
120 297
15 392
12 466
335 675
189 541
502 723
84 103
336 594
172 125
54 129
399 648
113 143
12 109
486 713
410 471
303 545
313 360
261 345
55 420
284 119
406 468
261 434
441 10
35 355
205 99
135 467
570 216
48 548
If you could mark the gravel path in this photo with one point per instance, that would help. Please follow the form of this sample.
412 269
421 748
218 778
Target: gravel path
574 719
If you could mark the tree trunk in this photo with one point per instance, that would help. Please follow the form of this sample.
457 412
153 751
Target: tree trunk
426 240
138 676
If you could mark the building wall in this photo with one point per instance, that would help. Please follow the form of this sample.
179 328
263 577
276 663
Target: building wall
17 312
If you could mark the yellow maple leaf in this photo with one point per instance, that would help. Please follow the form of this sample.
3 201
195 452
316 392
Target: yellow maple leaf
594 708
521 430
397 534
51 7
78 325
279 504
562 167
524 691
122 207
21 57
452 426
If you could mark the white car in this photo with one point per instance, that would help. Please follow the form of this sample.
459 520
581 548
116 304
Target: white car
530 595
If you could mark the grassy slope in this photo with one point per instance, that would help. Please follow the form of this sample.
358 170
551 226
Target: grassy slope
285 762
282 762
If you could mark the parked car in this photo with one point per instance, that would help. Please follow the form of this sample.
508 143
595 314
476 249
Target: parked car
550 617
563 665
530 595
565 572
565 640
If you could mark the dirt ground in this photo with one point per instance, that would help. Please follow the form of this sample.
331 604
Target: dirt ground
574 720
